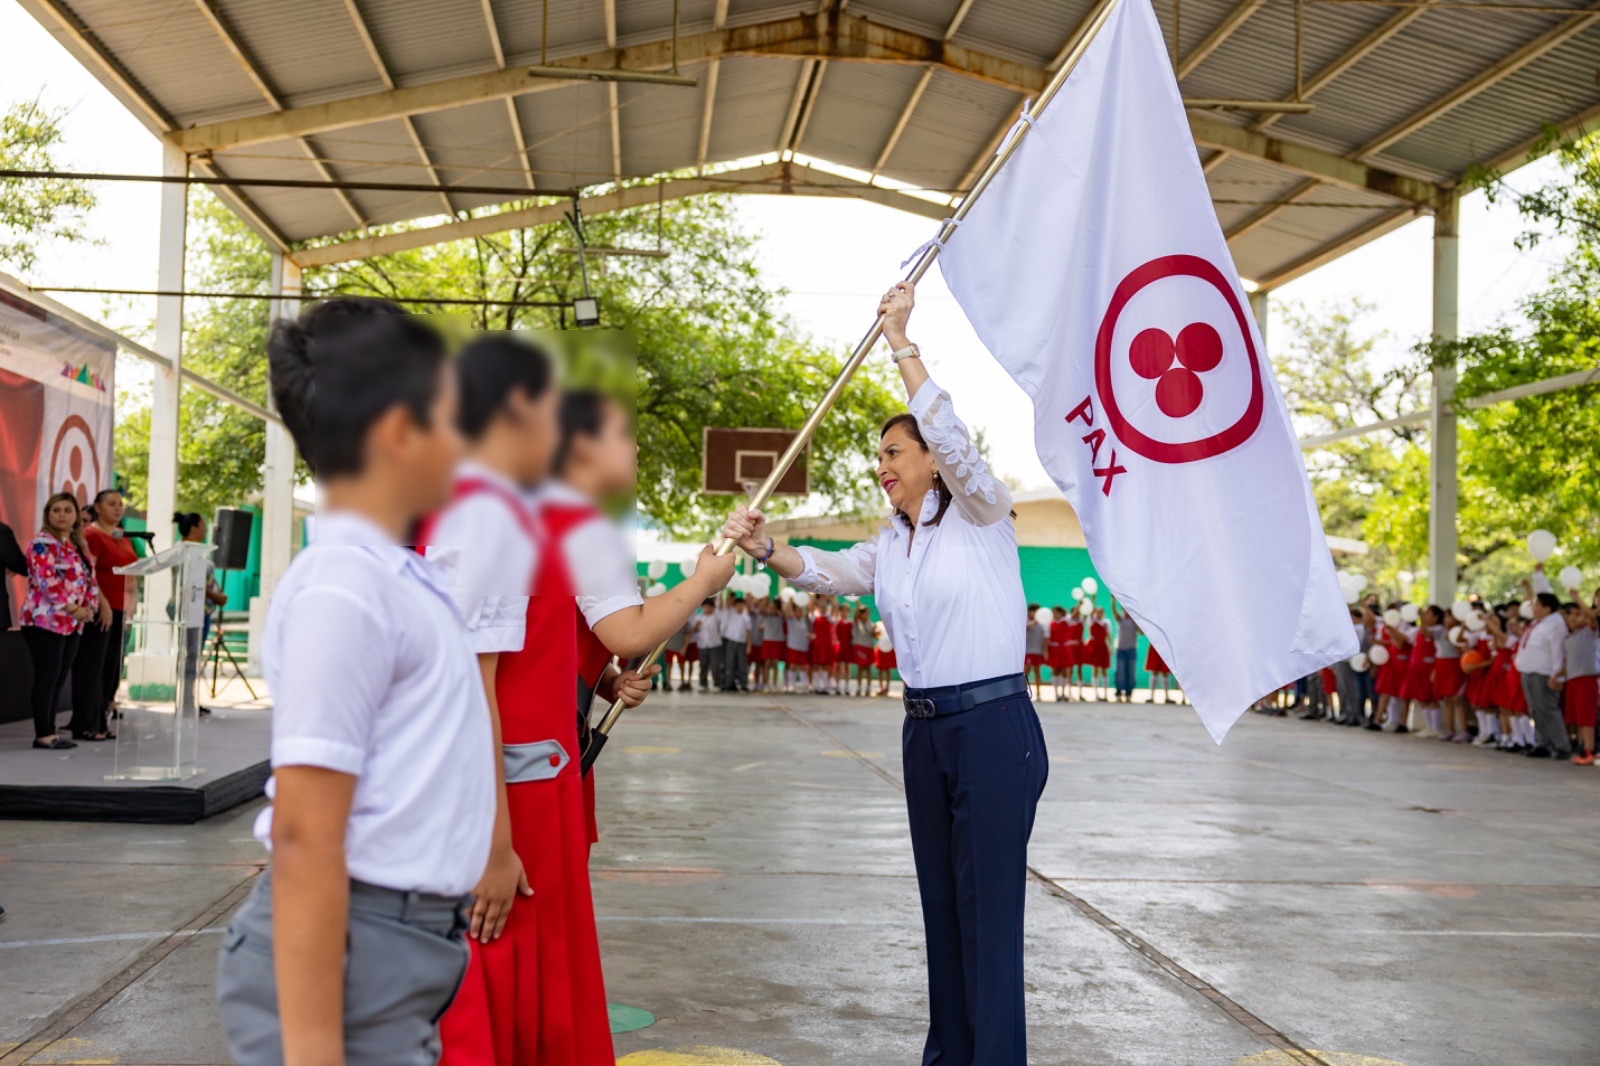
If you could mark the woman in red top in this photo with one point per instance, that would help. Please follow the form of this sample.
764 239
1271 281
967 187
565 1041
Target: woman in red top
61 598
97 671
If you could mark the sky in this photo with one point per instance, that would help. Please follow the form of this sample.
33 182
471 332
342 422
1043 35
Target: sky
834 256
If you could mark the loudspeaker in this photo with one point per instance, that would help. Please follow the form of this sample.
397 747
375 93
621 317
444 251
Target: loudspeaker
231 532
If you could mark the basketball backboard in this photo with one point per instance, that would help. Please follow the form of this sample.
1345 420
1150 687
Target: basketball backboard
734 461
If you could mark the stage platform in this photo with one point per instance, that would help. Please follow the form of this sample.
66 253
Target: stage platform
72 786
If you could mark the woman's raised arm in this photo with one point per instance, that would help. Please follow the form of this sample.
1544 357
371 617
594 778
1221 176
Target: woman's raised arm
976 493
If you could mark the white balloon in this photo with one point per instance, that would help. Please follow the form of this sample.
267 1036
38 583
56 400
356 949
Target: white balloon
1454 634
1406 577
1541 544
1379 655
1526 610
1409 613
1476 623
1358 662
1086 608
1043 616
687 567
656 569
786 594
1392 618
802 600
658 589
1571 577
1461 609
1090 586
1346 586
1359 581
884 644
1077 594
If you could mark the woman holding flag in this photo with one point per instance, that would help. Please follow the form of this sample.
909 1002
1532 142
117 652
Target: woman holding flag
947 580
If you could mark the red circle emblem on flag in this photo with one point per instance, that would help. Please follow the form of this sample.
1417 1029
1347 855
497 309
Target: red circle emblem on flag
74 462
1175 365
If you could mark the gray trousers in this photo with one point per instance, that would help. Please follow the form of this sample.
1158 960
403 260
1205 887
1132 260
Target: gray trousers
1349 685
711 666
405 957
735 666
1549 727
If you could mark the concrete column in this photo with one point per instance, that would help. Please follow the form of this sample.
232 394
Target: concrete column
277 496
1442 489
1259 308
162 495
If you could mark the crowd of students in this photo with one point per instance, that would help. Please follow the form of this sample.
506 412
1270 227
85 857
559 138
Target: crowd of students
796 642
1521 677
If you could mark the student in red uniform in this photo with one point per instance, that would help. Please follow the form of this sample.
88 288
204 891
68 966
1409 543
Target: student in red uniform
1059 658
1418 686
1099 652
1158 670
821 645
842 653
596 461
533 991
1076 656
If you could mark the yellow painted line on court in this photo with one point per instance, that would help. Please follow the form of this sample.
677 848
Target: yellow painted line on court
853 754
650 749
1332 1058
73 1051
697 1056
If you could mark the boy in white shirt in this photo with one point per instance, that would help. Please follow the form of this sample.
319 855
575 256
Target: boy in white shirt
382 793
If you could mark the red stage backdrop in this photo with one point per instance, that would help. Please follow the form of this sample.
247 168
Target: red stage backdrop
55 414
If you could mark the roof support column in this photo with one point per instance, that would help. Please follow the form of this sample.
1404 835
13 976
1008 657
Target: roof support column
1260 308
1442 488
277 496
162 492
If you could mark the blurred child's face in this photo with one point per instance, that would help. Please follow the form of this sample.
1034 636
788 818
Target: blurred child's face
427 455
541 432
615 452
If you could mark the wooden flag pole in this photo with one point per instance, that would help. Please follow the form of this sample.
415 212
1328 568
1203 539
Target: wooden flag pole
1087 31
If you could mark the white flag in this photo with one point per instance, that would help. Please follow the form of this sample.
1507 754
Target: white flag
1094 270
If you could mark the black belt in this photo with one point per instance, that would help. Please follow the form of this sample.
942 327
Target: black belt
953 699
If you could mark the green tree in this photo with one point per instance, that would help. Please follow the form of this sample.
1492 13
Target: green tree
33 210
1532 460
714 347
220 448
1331 382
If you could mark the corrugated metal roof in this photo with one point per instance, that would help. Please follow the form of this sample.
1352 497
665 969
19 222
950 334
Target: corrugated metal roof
311 52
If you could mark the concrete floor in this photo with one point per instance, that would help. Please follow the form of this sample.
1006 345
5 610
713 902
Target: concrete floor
1303 894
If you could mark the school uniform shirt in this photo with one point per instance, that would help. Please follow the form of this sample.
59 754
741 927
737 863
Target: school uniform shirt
772 629
1579 652
1036 638
372 675
736 627
678 643
951 604
861 635
1543 646
709 630
797 634
1127 633
1442 648
599 558
481 542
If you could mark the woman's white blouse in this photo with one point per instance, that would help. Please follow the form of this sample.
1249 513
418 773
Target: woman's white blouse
953 605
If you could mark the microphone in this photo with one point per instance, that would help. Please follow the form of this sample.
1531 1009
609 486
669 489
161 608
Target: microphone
119 533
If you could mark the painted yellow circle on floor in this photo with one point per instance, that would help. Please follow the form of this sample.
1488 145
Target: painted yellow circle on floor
853 754
650 749
697 1056
1332 1058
